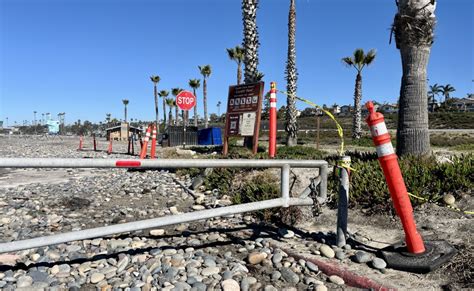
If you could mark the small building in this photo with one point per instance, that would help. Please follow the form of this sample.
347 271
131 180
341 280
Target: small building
346 109
464 104
119 131
336 109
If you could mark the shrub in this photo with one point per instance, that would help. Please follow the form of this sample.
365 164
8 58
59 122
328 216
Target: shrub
424 177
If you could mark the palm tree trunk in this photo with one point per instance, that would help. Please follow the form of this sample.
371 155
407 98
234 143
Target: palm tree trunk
204 99
291 80
357 117
164 110
125 111
195 109
250 43
176 119
239 73
156 110
412 134
170 119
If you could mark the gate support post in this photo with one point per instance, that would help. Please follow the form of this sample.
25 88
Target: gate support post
342 203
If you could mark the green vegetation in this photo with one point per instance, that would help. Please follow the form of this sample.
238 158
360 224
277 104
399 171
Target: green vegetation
424 177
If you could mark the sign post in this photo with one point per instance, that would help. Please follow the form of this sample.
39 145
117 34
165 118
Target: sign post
185 101
244 109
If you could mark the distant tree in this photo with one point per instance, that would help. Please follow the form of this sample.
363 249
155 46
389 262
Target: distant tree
205 72
359 61
125 103
195 84
163 94
237 54
281 113
155 80
171 103
446 89
219 108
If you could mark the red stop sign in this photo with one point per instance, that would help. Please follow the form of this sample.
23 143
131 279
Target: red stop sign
185 100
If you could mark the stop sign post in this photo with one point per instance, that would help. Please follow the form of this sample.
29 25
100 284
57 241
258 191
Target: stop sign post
185 100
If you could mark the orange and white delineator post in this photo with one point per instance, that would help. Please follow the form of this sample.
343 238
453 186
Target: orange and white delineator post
153 143
145 143
81 142
272 134
391 169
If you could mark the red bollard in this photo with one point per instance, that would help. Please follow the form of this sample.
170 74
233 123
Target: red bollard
272 134
145 143
80 143
393 176
153 143
109 150
95 143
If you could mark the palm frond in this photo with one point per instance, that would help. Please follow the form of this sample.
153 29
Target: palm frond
348 61
155 79
370 57
164 93
359 56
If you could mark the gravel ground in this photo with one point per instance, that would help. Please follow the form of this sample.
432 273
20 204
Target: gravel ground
231 253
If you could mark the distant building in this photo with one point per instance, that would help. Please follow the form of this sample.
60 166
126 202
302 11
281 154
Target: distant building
389 108
464 104
346 109
119 131
336 109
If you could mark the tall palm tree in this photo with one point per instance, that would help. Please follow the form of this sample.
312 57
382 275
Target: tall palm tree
195 84
171 103
237 54
446 90
205 72
359 61
291 125
107 117
155 80
175 92
250 42
163 94
413 28
125 103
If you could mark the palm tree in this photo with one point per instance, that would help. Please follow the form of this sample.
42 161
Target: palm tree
171 103
195 84
175 92
432 93
446 90
107 117
219 109
237 54
205 72
359 61
413 28
125 103
291 126
155 80
163 94
250 42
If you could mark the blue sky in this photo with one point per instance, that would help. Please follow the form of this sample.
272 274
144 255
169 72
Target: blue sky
83 57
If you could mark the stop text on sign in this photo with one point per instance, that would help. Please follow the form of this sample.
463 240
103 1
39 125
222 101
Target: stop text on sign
185 100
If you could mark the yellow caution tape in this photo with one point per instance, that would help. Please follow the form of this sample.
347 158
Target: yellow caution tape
339 127
448 206
345 165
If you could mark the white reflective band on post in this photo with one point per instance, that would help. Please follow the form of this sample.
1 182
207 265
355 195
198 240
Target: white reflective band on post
385 149
273 104
273 95
378 129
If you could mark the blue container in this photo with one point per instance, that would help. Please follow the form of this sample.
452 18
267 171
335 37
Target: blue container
210 136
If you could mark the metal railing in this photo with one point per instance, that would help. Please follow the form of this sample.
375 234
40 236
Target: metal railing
284 201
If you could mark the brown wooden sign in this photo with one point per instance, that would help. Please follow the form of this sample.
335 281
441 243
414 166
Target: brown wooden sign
244 108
